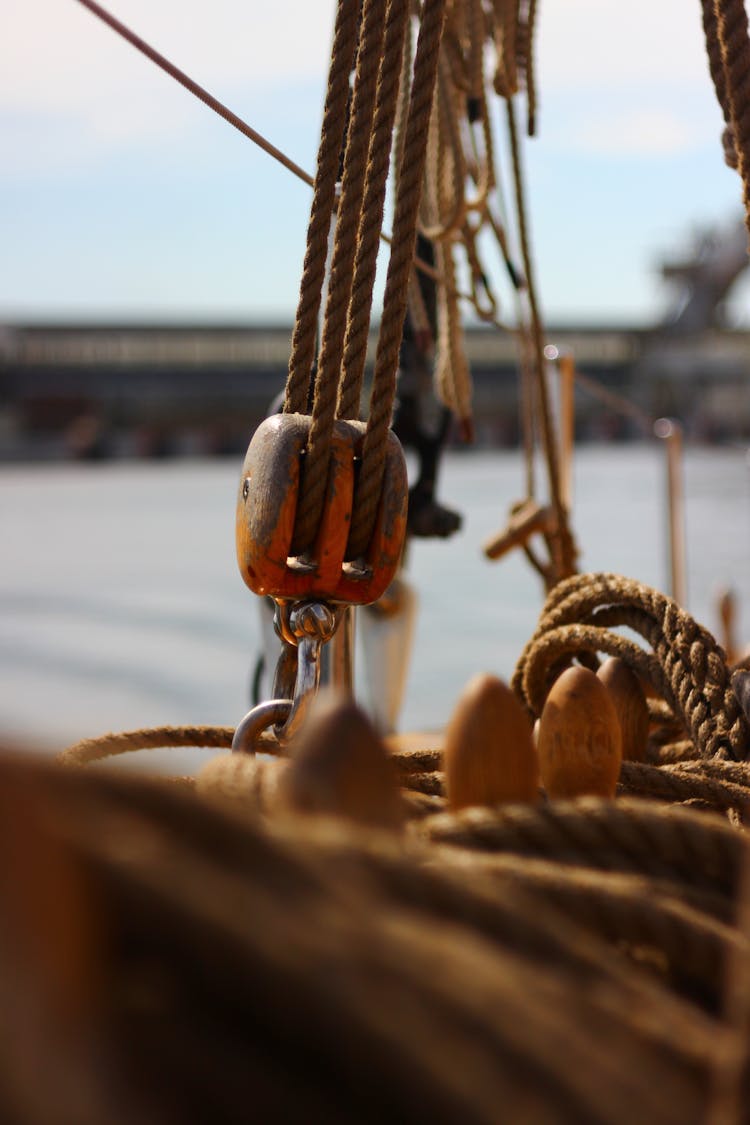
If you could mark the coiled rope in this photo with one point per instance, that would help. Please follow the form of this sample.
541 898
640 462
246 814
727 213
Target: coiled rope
686 666
562 964
618 927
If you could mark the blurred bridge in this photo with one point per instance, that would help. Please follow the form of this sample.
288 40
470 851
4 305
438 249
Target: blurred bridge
146 389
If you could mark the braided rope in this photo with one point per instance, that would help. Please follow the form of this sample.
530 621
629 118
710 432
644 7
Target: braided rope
672 753
687 665
625 835
326 175
716 69
397 280
506 34
529 69
737 773
677 921
543 874
452 377
315 472
732 30
219 940
643 780
391 76
442 204
664 783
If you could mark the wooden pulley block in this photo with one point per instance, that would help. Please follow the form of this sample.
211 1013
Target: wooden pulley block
267 508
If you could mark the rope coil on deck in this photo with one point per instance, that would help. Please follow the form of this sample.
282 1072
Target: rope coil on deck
610 922
686 665
617 925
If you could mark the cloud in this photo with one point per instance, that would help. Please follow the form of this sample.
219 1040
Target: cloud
69 86
58 63
611 45
57 58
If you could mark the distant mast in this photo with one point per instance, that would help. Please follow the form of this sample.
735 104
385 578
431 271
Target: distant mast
702 280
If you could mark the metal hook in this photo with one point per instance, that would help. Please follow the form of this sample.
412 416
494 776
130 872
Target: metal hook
307 626
262 716
304 628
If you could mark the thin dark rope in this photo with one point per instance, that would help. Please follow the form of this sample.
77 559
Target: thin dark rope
198 91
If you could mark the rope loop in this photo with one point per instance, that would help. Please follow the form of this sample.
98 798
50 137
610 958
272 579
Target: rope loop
686 666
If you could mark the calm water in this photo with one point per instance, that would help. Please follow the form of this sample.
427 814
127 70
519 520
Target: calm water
122 606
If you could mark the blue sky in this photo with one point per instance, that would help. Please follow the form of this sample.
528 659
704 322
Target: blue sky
122 197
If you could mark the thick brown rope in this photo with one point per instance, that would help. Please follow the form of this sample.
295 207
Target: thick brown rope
672 753
554 876
428 967
627 908
716 69
737 773
687 666
396 47
529 68
672 902
732 30
315 469
324 193
541 874
624 835
639 779
397 279
506 32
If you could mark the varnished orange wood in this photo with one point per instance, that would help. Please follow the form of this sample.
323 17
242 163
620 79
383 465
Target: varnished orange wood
266 511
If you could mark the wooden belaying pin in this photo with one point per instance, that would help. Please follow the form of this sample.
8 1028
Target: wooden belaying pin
627 695
727 605
489 755
579 743
339 766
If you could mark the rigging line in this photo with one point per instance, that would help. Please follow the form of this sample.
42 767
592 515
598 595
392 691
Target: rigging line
203 95
616 402
231 118
247 130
